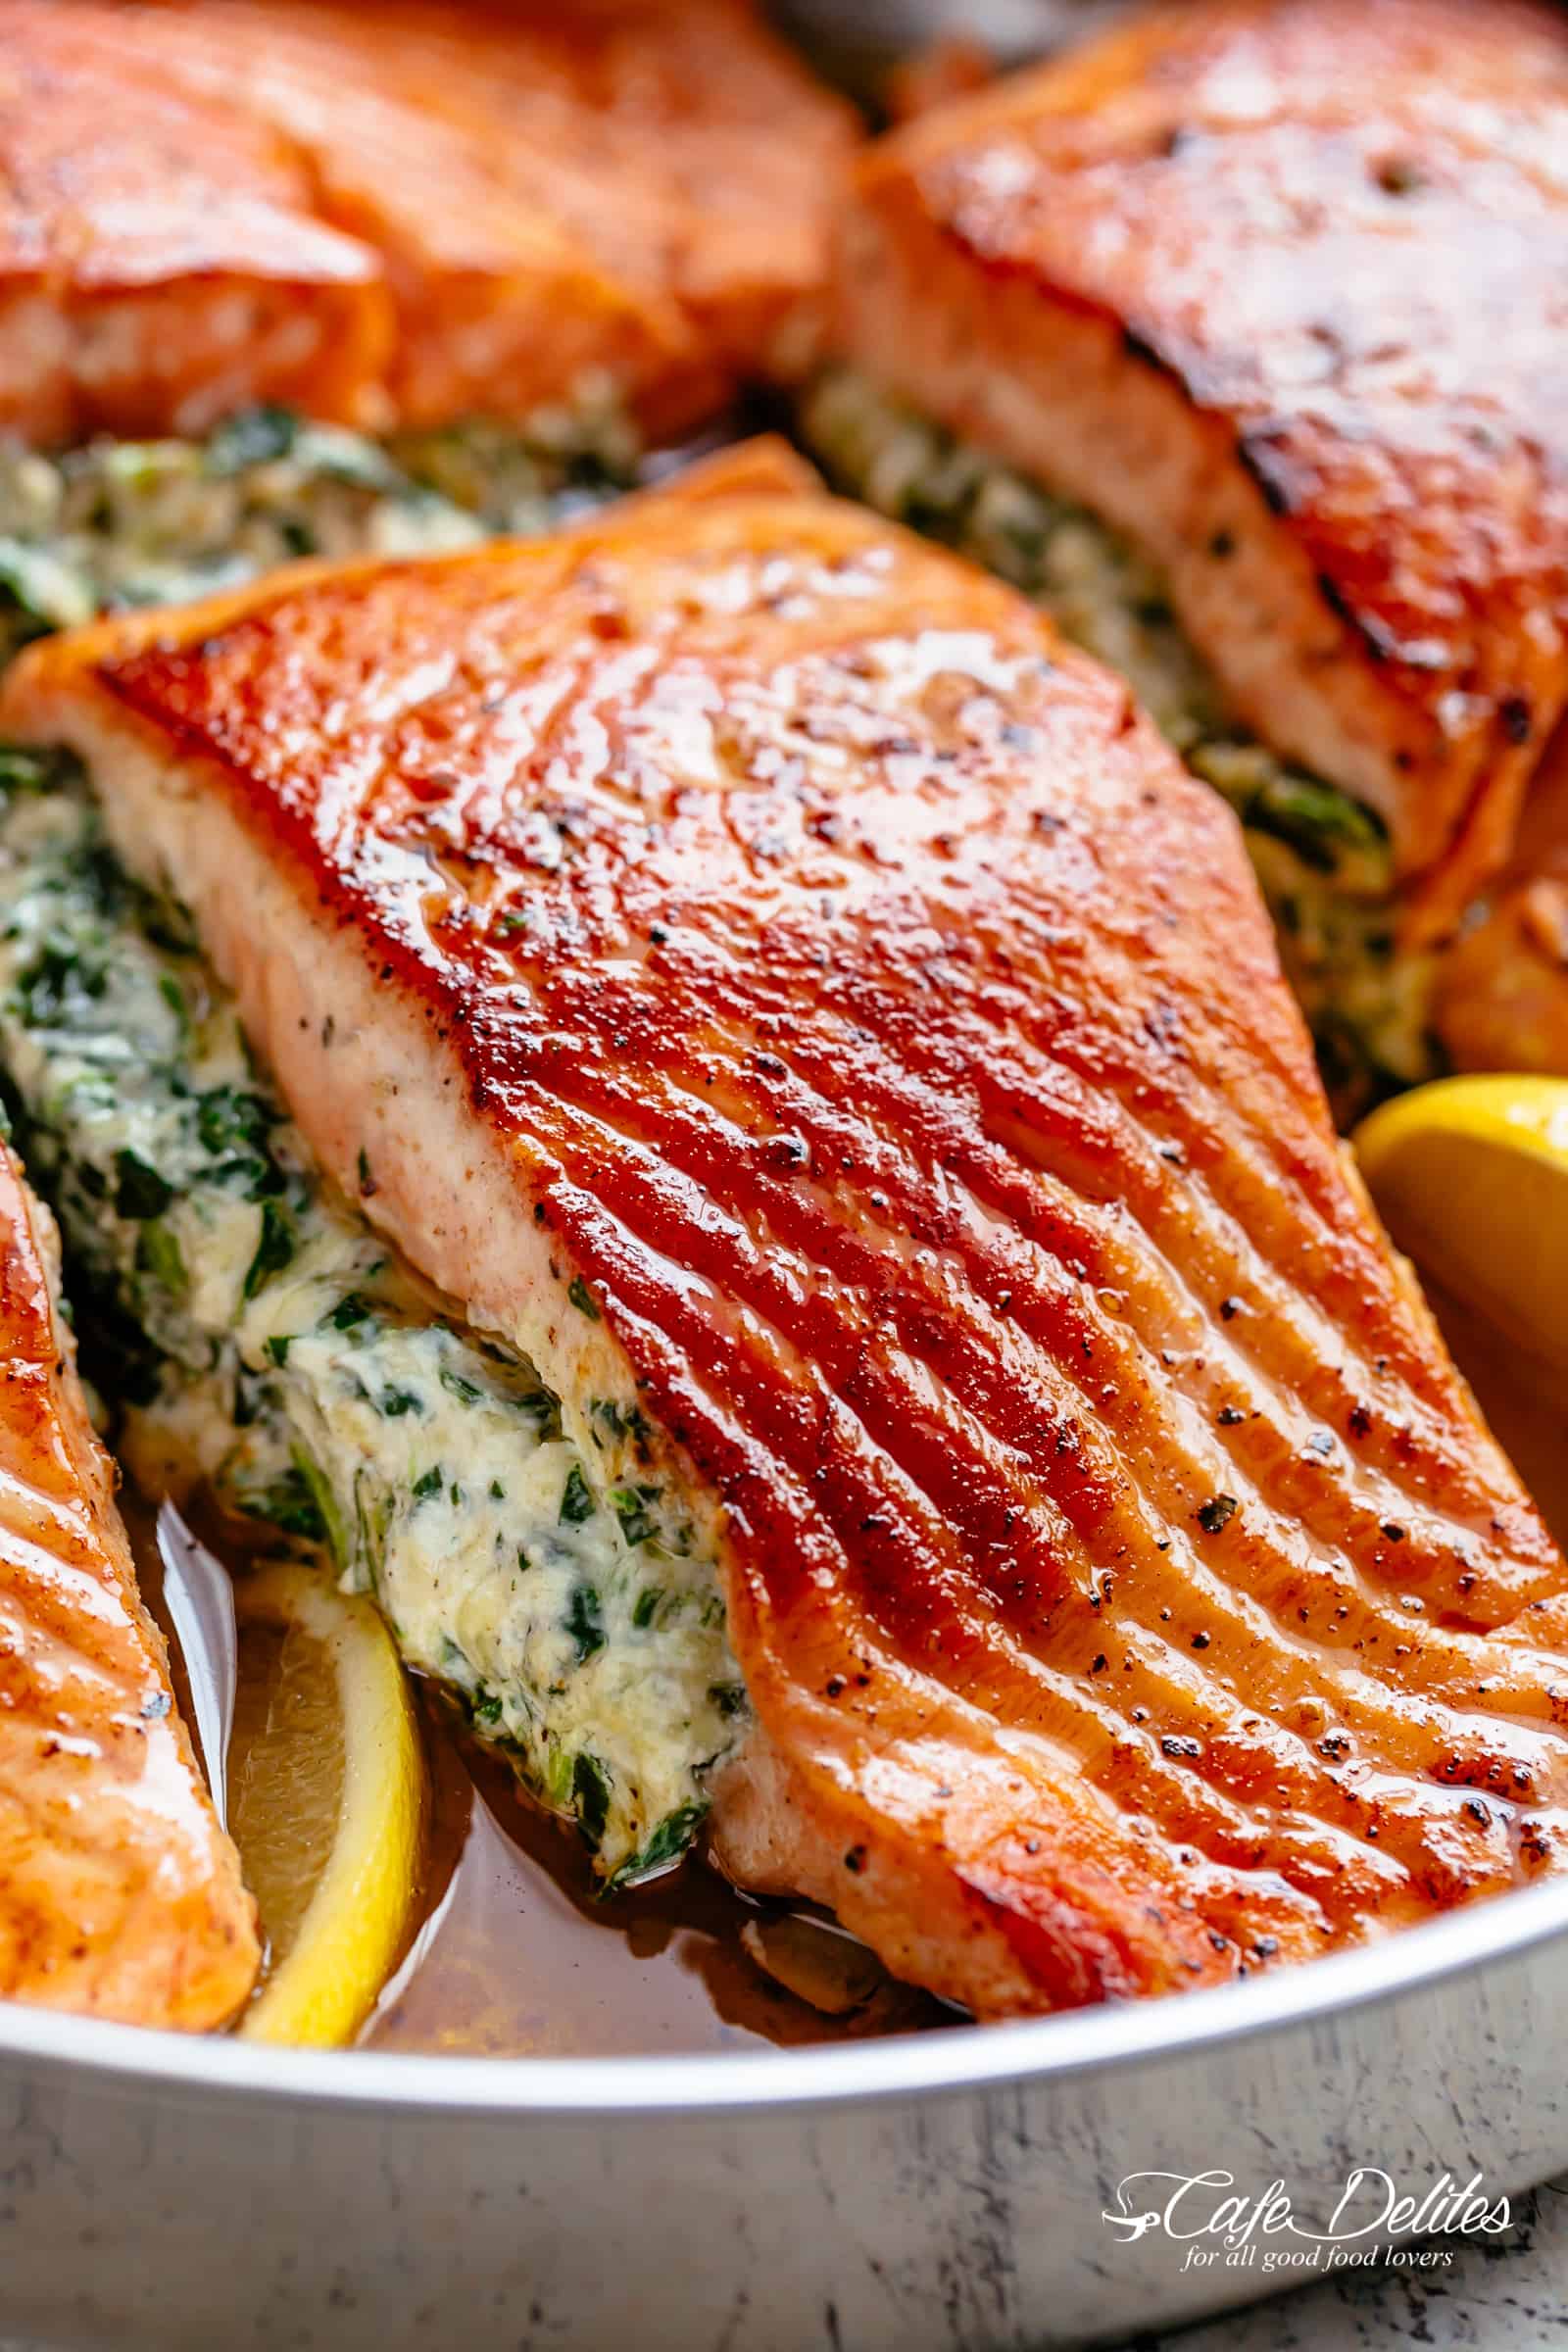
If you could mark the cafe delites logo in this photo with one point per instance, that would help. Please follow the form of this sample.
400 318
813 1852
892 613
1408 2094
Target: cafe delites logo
1223 2226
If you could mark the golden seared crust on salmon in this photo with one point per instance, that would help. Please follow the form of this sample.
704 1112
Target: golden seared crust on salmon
685 146
774 981
639 195
119 1895
160 258
1277 287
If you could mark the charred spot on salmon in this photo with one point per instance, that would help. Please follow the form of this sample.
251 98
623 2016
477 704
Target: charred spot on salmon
259 1334
1399 175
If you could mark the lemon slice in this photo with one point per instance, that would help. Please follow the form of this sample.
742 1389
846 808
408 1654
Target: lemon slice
1471 1178
326 1795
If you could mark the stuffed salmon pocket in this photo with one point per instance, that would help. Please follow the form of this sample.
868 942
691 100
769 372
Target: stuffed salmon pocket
715 1115
1237 336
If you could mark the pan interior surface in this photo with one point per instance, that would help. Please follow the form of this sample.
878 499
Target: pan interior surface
1098 2043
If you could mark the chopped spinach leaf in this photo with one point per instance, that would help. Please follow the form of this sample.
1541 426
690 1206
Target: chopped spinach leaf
630 1506
590 1797
586 1621
577 1501
352 1309
320 1488
1319 824
229 1120
620 1420
290 1504
274 1251
255 436
158 1254
668 1841
140 1192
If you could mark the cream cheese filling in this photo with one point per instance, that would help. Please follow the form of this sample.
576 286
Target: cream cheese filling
264 1339
121 523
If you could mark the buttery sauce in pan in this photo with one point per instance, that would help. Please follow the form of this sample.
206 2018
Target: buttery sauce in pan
514 1955
511 1952
518 1956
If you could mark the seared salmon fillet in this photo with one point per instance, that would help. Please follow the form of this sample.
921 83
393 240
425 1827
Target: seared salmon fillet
518 207
161 261
686 149
1275 287
119 1894
785 992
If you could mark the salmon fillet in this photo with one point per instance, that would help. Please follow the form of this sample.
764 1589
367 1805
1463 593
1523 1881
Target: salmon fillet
640 196
1277 288
119 1895
686 148
160 258
788 993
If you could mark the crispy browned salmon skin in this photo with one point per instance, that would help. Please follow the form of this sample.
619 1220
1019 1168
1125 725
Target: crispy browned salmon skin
405 214
119 1895
1278 288
781 986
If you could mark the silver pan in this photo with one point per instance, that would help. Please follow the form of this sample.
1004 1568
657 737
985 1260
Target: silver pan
944 2190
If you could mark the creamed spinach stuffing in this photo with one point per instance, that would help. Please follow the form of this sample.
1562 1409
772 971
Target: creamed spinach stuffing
261 1336
120 523
1322 859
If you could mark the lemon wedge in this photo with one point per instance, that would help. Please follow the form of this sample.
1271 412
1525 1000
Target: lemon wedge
1470 1175
326 1798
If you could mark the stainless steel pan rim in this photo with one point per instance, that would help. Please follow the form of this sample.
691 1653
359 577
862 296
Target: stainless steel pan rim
1100 2041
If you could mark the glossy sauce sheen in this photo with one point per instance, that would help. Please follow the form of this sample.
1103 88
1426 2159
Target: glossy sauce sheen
519 1954
119 1895
857 997
1277 286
